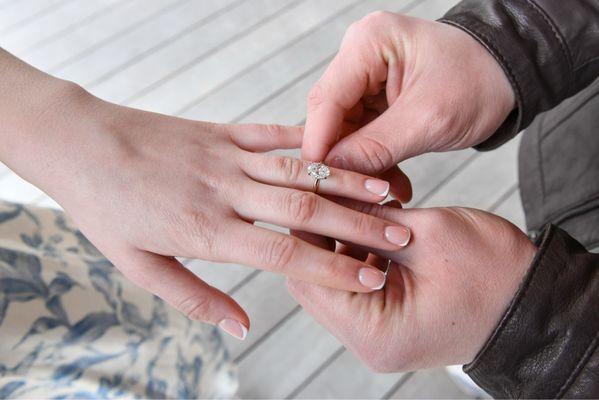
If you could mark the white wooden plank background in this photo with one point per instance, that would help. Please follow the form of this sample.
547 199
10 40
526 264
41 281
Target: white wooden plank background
247 61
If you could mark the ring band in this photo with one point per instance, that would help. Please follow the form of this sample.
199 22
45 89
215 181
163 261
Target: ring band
316 185
318 171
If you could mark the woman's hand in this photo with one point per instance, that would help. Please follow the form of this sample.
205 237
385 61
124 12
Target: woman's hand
145 188
444 295
400 87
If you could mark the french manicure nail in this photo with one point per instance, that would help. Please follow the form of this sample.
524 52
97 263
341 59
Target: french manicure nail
398 235
372 278
378 187
339 162
233 328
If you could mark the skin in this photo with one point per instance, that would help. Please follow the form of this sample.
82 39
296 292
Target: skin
400 87
444 295
146 188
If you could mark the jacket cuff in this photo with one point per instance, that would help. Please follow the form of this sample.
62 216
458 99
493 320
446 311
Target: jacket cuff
531 53
549 331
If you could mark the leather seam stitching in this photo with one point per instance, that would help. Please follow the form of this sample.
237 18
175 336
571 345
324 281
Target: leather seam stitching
583 360
564 48
519 296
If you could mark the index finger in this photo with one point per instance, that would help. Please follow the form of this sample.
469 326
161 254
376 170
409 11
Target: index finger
351 75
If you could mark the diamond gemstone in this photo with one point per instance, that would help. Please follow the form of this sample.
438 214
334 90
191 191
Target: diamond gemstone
319 171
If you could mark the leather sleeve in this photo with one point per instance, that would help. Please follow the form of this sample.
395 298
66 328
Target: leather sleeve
546 344
549 49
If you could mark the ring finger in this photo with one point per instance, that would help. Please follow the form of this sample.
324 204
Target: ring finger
293 173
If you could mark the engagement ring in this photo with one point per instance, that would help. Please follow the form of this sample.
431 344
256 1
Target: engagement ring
318 171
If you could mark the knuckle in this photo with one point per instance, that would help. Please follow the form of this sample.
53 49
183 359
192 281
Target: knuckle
291 167
363 224
194 307
335 268
316 96
376 155
200 232
280 252
274 131
440 118
302 206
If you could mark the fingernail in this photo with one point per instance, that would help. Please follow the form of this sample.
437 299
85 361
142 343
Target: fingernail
372 278
233 328
398 235
339 162
378 187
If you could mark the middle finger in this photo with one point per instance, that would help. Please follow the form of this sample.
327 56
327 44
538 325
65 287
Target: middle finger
308 212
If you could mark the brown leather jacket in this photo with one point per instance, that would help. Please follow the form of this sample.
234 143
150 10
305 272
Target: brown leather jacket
546 344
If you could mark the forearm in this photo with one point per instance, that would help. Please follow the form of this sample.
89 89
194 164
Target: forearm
548 49
40 116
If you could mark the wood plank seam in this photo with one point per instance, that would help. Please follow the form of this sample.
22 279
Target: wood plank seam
268 56
315 373
269 333
201 22
30 19
195 60
114 36
511 190
82 22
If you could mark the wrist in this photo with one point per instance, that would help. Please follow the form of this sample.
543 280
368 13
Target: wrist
45 121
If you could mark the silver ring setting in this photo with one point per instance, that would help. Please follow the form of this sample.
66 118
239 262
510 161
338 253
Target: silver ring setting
318 171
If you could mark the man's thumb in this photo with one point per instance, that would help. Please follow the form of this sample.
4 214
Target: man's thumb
374 148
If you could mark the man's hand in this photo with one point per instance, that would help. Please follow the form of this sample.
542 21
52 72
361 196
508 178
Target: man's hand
400 87
444 295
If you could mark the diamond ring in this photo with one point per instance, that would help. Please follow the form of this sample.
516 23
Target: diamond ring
318 171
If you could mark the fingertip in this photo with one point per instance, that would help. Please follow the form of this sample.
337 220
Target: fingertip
234 328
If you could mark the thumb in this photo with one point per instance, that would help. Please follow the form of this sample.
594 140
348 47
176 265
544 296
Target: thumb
356 71
379 145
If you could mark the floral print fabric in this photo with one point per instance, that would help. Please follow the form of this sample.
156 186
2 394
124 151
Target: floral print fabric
71 326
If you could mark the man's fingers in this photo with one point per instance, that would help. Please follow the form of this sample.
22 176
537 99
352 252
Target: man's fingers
288 255
168 279
261 138
347 79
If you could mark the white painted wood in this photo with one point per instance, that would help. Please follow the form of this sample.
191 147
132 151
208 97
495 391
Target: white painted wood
429 384
52 23
201 43
348 378
98 33
145 39
200 78
286 361
15 189
483 182
288 107
428 171
275 302
23 16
